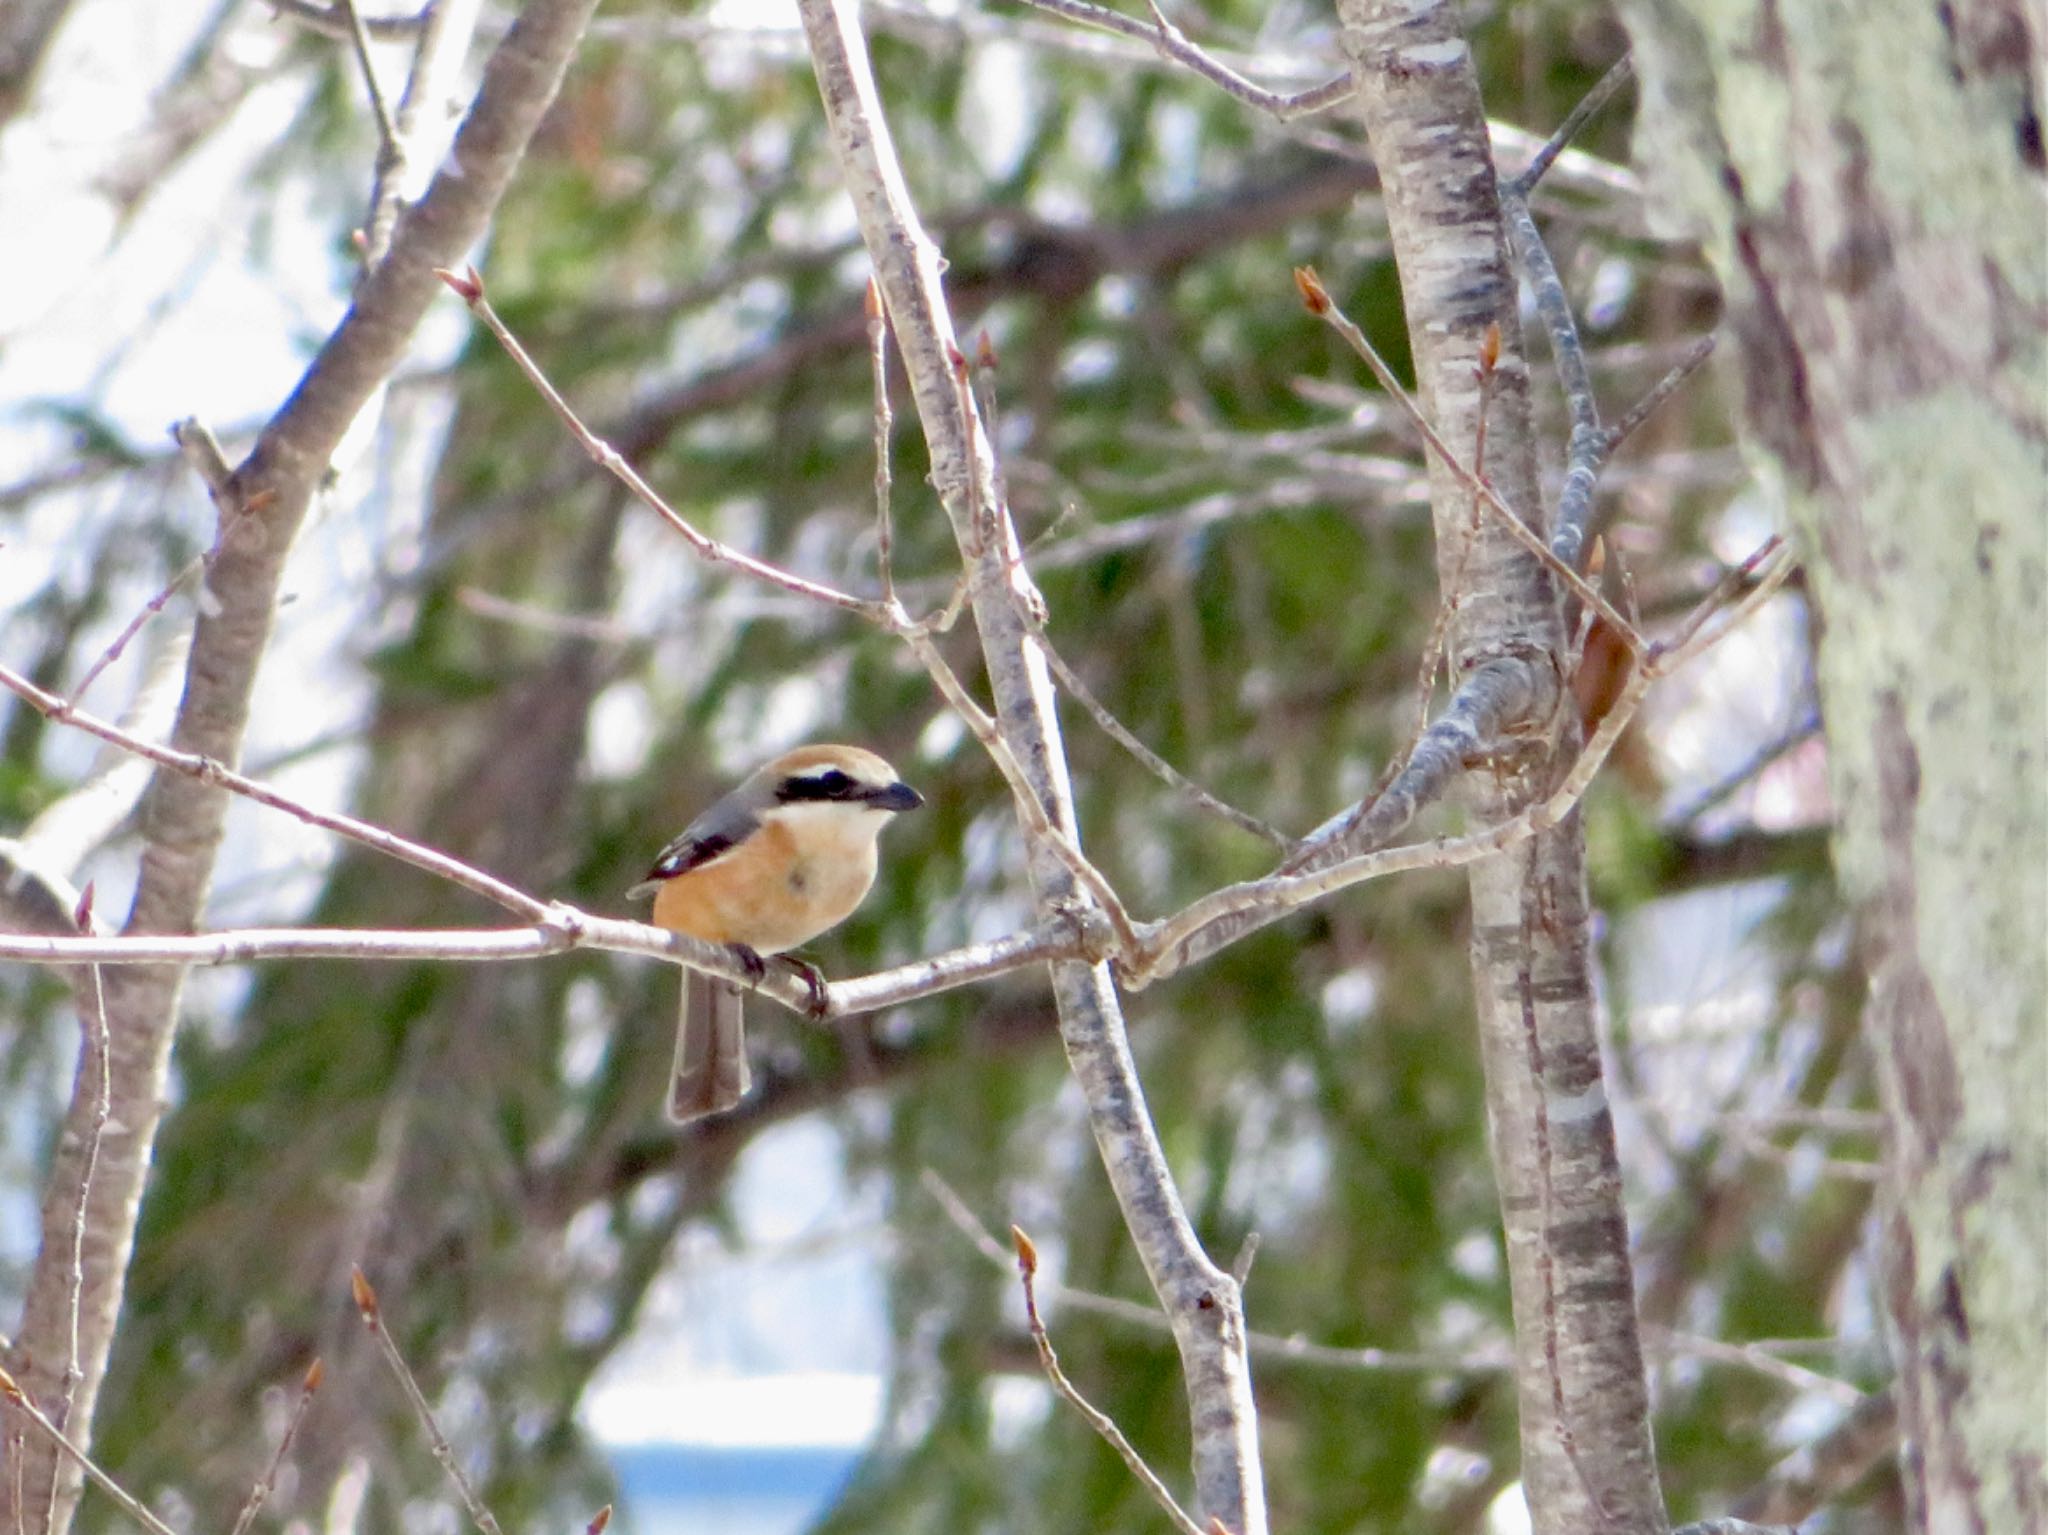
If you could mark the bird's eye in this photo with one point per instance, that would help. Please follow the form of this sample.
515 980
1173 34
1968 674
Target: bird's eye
834 782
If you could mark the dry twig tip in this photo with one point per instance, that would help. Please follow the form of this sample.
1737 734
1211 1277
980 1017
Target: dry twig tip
1027 1250
365 1297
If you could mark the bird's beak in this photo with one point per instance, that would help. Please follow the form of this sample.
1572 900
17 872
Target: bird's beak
898 796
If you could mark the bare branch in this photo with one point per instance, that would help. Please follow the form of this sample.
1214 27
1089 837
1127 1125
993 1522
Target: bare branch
183 815
1619 73
1321 304
468 285
1828 1467
208 771
267 1482
1173 45
126 1501
1166 772
1203 1300
373 1318
1163 946
1093 1416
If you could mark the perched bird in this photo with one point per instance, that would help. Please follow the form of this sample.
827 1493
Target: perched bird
786 855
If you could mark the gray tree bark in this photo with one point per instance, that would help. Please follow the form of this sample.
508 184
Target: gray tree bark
1868 182
1587 1459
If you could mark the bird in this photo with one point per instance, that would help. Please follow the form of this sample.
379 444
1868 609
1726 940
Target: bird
782 858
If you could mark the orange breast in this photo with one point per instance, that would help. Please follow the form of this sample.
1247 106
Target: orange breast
765 893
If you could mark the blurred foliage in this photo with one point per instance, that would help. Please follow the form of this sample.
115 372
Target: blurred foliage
1229 533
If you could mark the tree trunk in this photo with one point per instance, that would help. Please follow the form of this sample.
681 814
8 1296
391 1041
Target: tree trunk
1868 182
1587 1459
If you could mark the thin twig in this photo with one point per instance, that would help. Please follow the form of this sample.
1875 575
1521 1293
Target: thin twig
97 1063
1618 74
149 610
1174 46
1319 302
373 1318
207 770
266 1484
1037 821
359 38
127 1502
1093 1416
1662 390
1070 681
878 362
326 20
1262 1345
468 285
1746 771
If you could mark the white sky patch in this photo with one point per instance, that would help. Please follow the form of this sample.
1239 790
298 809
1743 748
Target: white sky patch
811 1409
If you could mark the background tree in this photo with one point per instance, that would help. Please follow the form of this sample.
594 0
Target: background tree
1886 285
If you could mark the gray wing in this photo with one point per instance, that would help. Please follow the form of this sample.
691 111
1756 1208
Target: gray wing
722 827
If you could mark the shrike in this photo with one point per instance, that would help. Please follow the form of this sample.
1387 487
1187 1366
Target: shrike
786 855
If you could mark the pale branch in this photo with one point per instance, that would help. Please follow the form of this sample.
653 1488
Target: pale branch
95 1065
206 770
566 929
1203 1300
1167 946
1093 1416
885 419
1586 447
1174 46
1496 695
373 1318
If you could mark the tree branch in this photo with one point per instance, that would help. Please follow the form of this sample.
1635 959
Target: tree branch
263 505
1202 1299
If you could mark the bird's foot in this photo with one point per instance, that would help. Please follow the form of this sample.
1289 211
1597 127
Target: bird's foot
750 960
812 977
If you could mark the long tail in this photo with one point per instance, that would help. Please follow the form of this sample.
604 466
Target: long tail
710 1074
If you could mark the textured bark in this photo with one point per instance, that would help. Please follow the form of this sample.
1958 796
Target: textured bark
1587 1460
1868 182
182 817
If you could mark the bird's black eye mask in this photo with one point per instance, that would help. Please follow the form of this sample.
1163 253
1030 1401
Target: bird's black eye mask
813 788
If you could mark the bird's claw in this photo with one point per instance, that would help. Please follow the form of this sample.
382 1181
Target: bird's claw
818 1002
750 960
